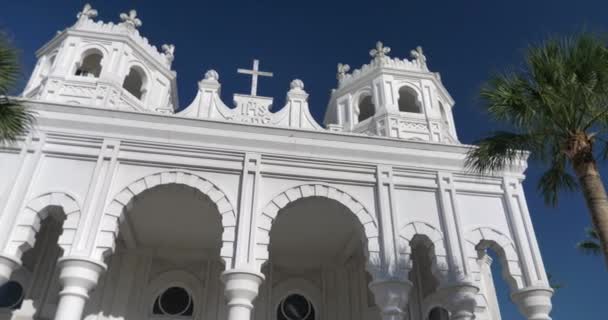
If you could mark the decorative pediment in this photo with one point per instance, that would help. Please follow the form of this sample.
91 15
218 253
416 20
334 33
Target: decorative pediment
251 109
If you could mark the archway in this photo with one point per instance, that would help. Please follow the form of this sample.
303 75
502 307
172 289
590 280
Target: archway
317 262
178 230
424 257
496 267
34 287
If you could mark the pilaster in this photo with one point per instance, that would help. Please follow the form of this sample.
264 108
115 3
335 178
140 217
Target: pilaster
392 264
250 184
514 214
95 201
29 159
449 214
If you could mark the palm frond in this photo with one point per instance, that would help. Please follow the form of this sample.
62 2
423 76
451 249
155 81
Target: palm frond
589 247
15 120
9 65
495 152
556 178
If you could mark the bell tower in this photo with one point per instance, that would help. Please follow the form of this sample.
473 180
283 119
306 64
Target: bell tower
392 97
105 65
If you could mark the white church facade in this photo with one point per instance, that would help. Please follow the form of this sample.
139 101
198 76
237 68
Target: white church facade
118 206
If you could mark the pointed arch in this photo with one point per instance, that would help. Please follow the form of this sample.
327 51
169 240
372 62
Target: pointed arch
23 236
114 212
432 239
271 210
482 238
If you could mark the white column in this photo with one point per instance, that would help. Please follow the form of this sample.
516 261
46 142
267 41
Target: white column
534 302
391 297
7 266
241 288
77 277
460 300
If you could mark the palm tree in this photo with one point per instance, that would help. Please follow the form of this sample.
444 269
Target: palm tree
15 119
557 106
590 245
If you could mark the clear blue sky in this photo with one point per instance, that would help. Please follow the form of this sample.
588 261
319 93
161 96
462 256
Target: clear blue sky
464 40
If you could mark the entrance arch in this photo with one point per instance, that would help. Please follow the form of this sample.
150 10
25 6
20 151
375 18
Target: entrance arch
113 214
271 210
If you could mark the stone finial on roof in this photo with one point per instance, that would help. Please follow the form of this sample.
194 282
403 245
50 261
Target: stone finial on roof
212 75
380 51
131 19
342 70
419 57
169 52
87 12
297 85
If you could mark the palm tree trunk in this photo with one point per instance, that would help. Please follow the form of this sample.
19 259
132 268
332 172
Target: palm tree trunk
596 199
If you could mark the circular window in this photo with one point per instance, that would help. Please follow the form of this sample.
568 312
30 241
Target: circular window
295 307
11 295
175 301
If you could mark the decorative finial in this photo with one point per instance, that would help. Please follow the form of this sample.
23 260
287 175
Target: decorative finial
87 13
131 19
342 70
212 75
169 51
297 85
418 55
380 51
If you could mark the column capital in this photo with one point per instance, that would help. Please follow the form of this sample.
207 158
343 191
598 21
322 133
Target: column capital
534 302
79 275
391 296
8 264
241 286
460 299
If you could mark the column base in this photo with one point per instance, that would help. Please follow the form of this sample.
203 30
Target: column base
241 288
534 302
77 277
7 266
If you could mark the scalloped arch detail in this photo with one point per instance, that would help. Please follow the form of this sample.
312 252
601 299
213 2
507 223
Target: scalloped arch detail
114 212
487 237
433 240
30 218
271 210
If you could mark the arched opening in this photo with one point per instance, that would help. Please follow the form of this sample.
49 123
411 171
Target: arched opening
33 289
444 115
366 108
317 238
135 83
166 230
425 284
408 100
90 65
496 283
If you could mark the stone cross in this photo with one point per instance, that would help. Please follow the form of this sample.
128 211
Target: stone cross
419 56
342 70
380 50
254 76
87 12
131 19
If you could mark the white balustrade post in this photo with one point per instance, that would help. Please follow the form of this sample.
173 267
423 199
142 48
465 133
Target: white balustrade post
534 302
7 266
77 277
391 297
241 288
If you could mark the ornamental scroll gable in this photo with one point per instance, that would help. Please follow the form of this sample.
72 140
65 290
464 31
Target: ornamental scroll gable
251 109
